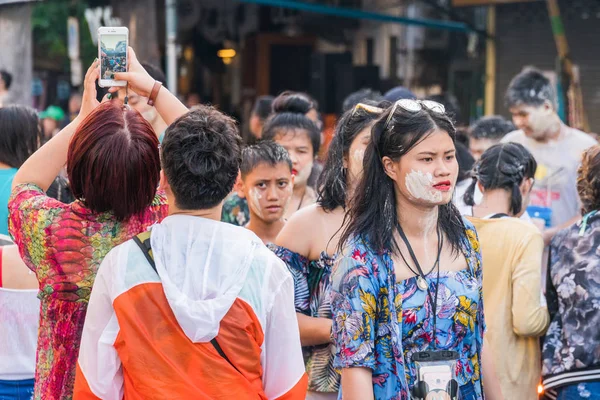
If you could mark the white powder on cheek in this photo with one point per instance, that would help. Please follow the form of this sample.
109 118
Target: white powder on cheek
419 185
358 155
304 174
255 197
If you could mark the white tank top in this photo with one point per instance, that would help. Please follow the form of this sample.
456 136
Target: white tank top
19 319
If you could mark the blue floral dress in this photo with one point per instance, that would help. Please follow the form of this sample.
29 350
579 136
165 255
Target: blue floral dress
235 210
312 295
379 323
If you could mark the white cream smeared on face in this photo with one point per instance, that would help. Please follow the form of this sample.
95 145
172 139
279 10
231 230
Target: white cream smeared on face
304 174
419 185
358 155
254 201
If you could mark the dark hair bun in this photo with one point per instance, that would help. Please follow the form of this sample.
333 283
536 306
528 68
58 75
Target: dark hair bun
293 102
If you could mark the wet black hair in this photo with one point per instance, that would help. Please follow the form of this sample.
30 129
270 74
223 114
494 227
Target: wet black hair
494 127
295 102
332 183
263 107
201 156
155 73
373 215
263 152
20 134
530 88
451 105
361 96
7 78
465 161
503 166
289 114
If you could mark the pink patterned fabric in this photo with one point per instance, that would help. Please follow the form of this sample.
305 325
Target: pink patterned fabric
64 245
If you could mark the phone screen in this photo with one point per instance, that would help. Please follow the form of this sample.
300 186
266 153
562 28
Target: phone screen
113 55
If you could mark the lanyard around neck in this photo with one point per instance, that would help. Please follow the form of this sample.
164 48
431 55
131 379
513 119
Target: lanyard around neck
432 297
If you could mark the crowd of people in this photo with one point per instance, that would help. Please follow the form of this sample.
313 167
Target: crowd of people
148 251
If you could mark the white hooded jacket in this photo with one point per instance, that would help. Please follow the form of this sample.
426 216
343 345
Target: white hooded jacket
217 281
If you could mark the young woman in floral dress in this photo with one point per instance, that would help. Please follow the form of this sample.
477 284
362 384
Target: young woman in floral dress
409 276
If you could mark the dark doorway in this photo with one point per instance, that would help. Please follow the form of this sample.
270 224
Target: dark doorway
290 68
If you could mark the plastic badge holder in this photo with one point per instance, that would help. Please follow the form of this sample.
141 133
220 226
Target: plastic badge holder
436 375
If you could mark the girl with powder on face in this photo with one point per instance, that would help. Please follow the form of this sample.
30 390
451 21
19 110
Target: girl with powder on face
300 116
308 241
293 126
409 274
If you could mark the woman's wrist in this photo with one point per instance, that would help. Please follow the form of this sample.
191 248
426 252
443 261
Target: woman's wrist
148 85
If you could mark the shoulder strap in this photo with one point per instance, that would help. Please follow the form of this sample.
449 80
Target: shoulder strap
143 242
499 215
222 353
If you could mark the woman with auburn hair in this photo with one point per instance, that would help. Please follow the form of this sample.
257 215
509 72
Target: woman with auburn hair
113 165
570 356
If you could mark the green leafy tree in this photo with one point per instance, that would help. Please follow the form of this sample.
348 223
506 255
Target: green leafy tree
49 24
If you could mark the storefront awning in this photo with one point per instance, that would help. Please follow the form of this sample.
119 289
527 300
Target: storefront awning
362 14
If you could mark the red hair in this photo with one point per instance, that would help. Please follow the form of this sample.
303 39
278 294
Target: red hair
113 161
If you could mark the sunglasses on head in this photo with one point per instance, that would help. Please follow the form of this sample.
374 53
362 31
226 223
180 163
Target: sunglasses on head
415 106
367 108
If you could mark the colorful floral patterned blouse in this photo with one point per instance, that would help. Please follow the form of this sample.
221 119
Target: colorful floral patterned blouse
312 294
380 323
235 210
64 244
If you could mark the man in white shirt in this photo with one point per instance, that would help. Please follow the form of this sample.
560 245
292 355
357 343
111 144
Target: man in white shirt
556 147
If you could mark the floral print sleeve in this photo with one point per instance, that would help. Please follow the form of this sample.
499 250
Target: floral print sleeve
235 210
354 303
29 210
475 264
298 267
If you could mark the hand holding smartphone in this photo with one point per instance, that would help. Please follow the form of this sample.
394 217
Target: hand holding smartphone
112 53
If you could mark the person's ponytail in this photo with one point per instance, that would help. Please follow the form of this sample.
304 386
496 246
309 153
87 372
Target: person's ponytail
503 166
469 196
516 199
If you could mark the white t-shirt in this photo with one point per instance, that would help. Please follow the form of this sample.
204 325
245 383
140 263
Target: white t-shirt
19 321
556 176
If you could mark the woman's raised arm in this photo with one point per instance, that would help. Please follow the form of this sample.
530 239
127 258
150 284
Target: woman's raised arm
45 164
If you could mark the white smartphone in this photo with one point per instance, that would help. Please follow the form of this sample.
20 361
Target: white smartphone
112 53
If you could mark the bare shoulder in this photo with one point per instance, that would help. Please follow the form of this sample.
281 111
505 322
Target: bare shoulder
298 231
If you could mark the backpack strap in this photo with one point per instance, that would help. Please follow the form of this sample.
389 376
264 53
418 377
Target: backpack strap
143 242
217 347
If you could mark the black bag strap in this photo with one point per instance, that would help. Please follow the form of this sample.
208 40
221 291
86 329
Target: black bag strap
217 347
499 215
143 242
